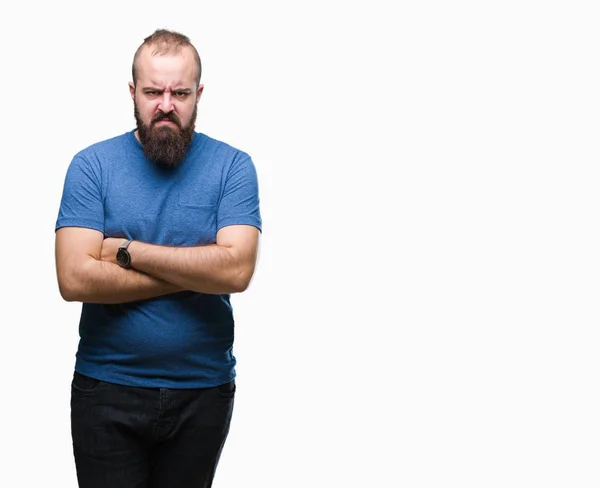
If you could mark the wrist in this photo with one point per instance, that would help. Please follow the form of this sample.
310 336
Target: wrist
123 255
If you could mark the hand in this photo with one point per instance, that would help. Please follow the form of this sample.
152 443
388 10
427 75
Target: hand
110 245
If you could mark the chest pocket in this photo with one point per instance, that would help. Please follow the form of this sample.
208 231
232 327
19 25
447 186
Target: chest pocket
194 222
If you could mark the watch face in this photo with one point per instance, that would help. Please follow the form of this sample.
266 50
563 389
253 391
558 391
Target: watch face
123 258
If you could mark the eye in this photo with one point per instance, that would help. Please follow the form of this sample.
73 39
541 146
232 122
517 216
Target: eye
180 94
151 93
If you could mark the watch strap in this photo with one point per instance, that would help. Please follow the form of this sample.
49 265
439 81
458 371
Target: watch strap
125 245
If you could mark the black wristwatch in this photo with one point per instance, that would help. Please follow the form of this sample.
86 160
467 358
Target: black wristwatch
123 256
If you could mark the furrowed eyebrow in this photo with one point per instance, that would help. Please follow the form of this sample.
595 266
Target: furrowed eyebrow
187 91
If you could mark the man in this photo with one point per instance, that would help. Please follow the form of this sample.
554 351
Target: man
156 228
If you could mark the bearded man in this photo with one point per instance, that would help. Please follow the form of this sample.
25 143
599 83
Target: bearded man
156 229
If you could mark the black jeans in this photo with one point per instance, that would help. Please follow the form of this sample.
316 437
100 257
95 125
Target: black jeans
128 437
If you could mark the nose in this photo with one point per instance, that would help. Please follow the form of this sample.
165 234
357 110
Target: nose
166 102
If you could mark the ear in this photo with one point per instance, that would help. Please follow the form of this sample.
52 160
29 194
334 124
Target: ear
199 92
132 90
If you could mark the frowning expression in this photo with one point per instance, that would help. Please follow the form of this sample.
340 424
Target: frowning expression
165 92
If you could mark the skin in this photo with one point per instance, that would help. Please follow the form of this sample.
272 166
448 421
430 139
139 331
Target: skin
86 265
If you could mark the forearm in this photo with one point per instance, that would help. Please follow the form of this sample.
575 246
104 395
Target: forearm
211 269
97 281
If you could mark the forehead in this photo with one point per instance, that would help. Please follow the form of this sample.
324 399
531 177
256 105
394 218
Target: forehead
170 69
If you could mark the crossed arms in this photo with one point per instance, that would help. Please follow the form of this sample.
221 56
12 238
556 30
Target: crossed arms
87 270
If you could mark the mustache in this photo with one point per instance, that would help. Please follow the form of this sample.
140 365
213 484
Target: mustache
163 116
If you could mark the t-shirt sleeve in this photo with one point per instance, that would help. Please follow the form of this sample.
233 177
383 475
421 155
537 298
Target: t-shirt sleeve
240 203
81 203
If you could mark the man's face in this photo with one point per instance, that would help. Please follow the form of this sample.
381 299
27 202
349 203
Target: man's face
165 100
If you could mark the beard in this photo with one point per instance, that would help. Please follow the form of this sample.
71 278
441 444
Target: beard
165 145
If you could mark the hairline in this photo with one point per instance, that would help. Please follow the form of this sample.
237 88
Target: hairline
164 42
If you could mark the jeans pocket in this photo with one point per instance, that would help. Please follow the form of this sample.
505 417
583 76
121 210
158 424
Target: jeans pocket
84 384
227 389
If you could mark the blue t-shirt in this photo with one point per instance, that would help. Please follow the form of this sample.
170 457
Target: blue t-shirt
180 340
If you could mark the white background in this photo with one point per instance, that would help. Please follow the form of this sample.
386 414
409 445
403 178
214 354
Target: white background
425 308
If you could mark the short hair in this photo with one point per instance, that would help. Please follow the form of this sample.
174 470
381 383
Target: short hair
164 42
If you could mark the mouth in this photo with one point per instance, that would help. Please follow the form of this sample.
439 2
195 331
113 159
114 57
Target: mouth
165 122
